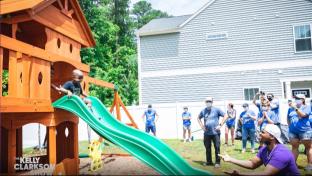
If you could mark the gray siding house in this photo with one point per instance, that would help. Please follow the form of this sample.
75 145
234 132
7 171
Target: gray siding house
229 49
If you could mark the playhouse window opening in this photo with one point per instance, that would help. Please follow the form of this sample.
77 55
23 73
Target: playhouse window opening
5 73
34 140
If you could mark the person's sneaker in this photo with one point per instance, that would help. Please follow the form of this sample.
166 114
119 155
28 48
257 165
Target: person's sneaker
217 166
308 168
253 151
244 150
184 140
189 140
207 164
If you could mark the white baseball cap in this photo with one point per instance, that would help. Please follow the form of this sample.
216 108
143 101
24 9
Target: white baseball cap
209 99
274 131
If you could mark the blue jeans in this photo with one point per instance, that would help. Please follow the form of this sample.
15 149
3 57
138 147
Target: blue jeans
251 132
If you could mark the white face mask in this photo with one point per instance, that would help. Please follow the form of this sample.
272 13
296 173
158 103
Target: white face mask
245 108
298 103
208 104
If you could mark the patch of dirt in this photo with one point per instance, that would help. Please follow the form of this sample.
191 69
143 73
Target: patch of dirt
117 165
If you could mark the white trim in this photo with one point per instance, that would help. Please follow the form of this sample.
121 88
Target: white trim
139 69
249 87
294 36
197 13
291 79
158 32
232 68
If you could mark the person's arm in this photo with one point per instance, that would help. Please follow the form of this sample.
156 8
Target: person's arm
254 101
270 121
157 116
200 122
274 105
252 115
224 119
301 113
269 170
248 164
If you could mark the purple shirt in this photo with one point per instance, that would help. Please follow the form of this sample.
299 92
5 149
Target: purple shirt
281 158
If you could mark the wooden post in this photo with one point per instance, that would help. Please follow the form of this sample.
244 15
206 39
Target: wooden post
128 114
19 142
76 146
12 92
14 29
51 144
11 150
117 106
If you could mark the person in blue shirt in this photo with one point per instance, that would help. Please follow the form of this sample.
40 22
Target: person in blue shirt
266 116
274 106
211 128
300 130
186 117
262 98
150 116
247 118
230 123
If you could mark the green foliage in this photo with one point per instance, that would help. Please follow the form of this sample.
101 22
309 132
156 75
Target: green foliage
144 13
5 82
114 57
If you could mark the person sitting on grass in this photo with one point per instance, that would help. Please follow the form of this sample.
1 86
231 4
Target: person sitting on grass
230 123
186 116
277 158
247 118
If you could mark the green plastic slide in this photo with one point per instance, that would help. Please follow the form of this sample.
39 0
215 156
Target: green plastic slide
143 146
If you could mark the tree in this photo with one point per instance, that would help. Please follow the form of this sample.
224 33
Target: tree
144 13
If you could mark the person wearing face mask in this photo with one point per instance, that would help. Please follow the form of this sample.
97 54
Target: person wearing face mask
265 117
186 117
276 158
274 106
73 87
300 130
150 116
211 128
261 96
247 118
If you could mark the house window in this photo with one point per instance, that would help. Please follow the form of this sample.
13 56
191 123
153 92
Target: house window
302 38
249 93
216 36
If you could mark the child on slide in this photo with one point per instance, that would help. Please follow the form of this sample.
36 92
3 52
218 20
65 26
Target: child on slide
73 87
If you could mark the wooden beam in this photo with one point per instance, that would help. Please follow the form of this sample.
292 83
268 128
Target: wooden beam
100 82
51 144
15 45
113 105
12 73
14 29
42 6
60 4
127 113
17 19
13 104
117 106
11 150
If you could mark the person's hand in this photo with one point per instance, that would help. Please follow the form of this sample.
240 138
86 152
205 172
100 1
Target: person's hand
234 172
69 93
225 157
294 105
218 127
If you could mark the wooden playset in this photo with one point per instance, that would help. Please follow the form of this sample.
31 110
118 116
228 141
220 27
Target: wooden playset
40 43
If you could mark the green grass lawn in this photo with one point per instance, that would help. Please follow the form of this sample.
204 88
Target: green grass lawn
194 153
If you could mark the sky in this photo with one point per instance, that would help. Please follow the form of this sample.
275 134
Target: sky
176 7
